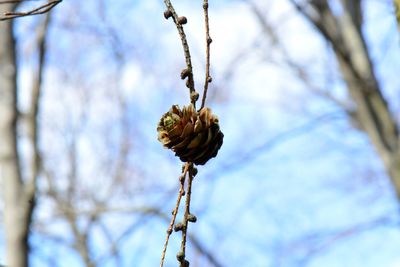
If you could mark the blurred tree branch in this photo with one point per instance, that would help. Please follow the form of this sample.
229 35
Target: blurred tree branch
32 118
35 11
315 243
372 112
295 67
179 22
209 255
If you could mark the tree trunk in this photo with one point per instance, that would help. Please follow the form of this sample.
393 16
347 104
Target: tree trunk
15 204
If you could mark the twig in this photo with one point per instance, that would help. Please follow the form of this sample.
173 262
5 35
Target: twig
175 211
208 78
179 21
186 218
36 11
209 255
187 73
16 1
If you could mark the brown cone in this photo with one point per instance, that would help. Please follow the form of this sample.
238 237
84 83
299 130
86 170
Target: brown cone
194 137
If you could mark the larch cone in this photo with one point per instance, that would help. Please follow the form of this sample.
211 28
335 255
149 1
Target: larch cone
193 136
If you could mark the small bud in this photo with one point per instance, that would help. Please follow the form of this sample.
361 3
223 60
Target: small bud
182 20
178 227
209 40
181 179
194 96
185 73
185 263
169 231
194 170
167 14
187 83
192 218
205 5
183 193
209 79
180 256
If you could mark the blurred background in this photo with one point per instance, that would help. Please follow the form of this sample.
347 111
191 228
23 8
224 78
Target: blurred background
307 95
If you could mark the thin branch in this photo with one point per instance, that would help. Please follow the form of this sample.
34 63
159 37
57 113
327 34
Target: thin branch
16 1
113 250
208 78
179 21
147 212
81 240
68 212
175 211
186 219
36 11
188 168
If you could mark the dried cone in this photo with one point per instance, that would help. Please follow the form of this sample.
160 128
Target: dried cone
194 137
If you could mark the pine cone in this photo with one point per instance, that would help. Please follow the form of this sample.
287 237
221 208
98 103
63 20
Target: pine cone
194 137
